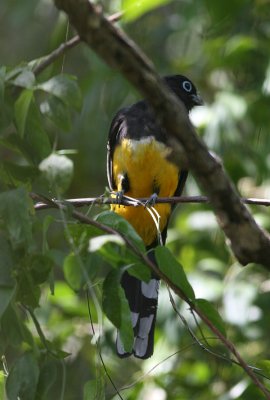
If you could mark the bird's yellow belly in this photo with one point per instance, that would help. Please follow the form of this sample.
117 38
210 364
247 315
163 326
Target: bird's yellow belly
147 167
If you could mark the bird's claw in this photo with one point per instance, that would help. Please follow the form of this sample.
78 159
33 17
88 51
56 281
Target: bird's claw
151 201
119 197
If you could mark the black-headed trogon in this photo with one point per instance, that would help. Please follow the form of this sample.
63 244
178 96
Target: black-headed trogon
140 164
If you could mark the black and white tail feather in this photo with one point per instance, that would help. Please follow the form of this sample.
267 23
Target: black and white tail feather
143 300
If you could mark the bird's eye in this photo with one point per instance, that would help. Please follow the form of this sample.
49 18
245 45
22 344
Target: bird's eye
187 86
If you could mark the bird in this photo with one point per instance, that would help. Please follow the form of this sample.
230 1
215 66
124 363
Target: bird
141 163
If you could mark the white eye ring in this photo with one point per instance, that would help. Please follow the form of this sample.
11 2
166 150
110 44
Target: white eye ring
187 86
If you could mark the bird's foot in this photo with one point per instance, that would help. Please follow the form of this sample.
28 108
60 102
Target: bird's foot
151 201
119 197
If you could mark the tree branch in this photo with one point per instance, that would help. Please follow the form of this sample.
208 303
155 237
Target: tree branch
143 257
249 242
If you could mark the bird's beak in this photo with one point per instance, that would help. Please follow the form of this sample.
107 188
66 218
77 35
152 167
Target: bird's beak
197 100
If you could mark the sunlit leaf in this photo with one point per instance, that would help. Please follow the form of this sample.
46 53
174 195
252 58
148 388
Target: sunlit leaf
96 243
65 88
135 9
25 79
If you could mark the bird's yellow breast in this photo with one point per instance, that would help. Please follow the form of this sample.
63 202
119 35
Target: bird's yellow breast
146 165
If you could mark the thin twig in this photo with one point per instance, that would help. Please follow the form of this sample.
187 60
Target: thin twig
99 349
40 331
45 61
101 200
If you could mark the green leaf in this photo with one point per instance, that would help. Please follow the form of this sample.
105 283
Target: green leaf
82 233
21 109
6 107
65 88
35 144
58 112
58 171
96 243
13 72
15 212
25 78
135 9
40 267
72 271
116 308
6 295
17 174
252 393
6 264
94 390
264 365
212 314
121 225
173 270
110 247
2 385
13 329
23 378
111 301
47 377
28 292
140 271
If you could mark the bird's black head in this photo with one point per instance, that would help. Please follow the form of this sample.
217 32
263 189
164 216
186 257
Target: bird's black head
185 90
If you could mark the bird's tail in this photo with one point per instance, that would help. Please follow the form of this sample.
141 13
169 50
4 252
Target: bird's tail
143 299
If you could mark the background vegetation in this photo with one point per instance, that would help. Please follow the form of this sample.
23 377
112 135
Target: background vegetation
46 335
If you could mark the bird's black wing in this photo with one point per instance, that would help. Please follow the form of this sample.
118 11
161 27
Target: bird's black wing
117 130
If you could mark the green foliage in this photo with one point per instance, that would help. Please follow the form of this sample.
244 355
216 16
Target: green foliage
116 308
119 224
72 271
173 270
14 207
135 9
47 260
23 378
209 311
94 390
